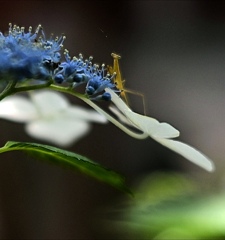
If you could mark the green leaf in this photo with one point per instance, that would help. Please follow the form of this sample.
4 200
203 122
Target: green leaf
69 159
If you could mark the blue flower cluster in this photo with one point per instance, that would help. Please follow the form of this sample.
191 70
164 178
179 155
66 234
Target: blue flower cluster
27 55
77 71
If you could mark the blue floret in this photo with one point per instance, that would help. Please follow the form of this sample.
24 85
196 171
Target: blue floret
29 55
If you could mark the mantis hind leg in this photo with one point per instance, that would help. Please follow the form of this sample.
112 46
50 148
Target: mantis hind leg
138 94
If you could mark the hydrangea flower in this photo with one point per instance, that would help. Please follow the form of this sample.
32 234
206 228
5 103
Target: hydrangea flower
160 132
49 116
27 56
30 56
77 71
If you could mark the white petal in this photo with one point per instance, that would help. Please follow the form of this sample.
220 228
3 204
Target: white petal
49 102
118 101
120 116
161 132
152 126
188 152
76 112
62 132
148 125
18 109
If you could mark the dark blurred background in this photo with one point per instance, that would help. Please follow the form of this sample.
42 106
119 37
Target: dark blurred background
173 52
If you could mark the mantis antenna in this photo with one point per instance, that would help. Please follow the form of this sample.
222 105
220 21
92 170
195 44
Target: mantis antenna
119 82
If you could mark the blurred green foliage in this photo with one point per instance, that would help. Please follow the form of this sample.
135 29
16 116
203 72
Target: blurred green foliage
172 206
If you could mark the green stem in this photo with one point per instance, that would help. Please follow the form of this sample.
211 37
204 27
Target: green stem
32 87
12 89
98 109
8 89
68 90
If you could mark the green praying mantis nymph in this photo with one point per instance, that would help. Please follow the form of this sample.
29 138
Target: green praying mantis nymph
120 82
